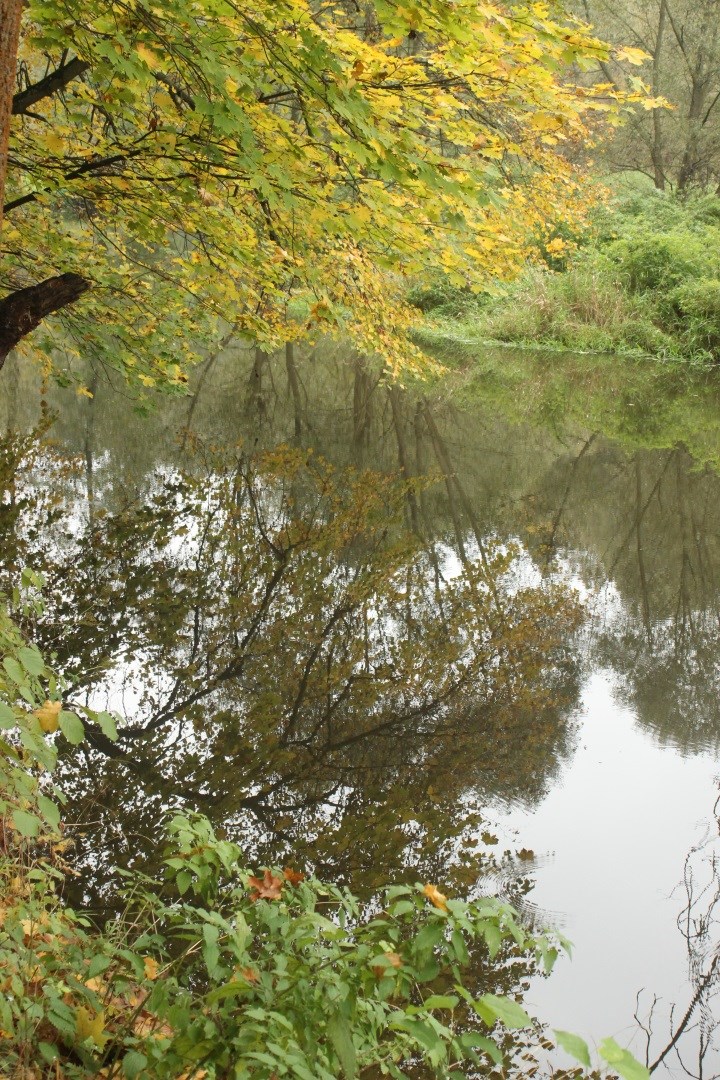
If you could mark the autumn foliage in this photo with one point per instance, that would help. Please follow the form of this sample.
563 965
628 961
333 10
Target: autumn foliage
283 167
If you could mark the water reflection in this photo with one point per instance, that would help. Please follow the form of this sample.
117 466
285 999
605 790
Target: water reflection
357 667
292 662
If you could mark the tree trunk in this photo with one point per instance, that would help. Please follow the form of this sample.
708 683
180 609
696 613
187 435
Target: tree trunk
24 309
658 149
10 14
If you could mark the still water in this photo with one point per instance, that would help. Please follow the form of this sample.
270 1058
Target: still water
471 638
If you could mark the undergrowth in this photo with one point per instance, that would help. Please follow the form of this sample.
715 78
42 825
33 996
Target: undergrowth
644 281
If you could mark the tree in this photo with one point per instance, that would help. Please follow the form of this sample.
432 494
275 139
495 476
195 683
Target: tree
277 167
678 148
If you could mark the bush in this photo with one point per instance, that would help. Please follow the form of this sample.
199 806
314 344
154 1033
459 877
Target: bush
439 296
645 279
650 262
696 305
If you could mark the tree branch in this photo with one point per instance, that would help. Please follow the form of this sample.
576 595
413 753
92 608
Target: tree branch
51 84
24 309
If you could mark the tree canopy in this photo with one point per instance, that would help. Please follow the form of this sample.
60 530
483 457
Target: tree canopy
278 167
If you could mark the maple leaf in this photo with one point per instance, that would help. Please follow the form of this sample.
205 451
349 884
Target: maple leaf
92 1027
266 888
48 714
436 897
293 876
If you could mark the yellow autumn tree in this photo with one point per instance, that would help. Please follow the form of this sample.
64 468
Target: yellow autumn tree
279 167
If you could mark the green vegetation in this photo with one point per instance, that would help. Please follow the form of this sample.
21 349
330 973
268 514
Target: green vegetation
644 281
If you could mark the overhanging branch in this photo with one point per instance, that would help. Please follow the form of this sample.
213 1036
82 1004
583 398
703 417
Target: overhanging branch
51 84
23 310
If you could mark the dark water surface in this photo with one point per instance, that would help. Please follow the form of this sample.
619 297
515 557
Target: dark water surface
474 644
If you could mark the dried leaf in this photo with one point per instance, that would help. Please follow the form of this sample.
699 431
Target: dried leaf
293 876
266 888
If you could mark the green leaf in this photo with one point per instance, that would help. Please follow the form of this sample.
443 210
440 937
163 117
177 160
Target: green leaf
26 824
107 724
31 660
49 811
71 727
574 1046
460 948
183 881
473 1040
341 1038
509 1012
441 1001
402 907
133 1063
622 1061
7 717
98 964
14 671
48 1051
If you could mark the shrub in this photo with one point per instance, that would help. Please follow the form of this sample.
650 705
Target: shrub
657 262
696 306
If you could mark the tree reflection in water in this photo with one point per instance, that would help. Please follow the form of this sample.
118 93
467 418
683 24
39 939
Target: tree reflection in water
293 662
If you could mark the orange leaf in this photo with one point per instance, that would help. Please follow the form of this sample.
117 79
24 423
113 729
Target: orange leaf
265 888
436 897
293 876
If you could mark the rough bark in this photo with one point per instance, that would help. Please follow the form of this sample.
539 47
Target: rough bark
10 14
24 309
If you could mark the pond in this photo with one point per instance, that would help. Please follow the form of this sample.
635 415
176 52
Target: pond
465 632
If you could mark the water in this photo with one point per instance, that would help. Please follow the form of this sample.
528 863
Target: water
537 668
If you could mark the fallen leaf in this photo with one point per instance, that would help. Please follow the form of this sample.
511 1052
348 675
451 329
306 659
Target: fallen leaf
92 1027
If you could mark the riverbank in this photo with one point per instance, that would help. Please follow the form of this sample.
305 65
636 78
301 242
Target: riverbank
644 281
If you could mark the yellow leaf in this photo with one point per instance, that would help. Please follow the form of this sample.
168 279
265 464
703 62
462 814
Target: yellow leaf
148 57
436 897
54 143
92 1027
633 56
48 713
151 967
